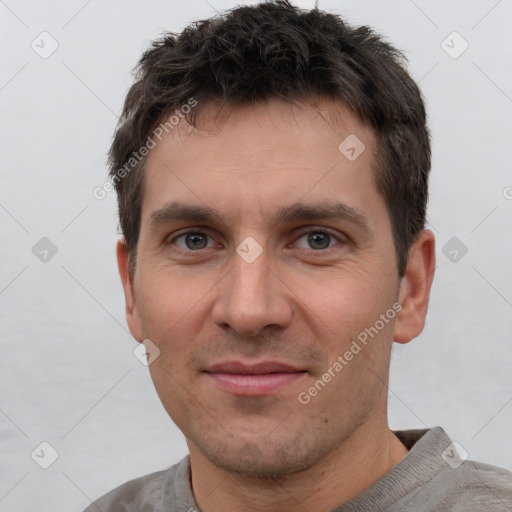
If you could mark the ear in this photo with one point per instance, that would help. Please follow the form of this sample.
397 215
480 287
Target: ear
132 313
415 287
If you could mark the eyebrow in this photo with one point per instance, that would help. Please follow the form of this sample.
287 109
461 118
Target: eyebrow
176 211
323 210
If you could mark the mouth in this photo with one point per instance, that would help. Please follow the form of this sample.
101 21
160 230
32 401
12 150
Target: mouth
260 379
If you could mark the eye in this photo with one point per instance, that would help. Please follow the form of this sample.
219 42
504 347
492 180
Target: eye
193 240
316 240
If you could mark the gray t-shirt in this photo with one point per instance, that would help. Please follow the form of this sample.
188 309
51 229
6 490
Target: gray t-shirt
431 477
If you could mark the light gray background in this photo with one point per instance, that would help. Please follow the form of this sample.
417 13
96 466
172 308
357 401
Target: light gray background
68 374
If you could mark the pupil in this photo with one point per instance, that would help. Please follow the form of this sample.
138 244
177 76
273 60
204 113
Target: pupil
319 238
195 241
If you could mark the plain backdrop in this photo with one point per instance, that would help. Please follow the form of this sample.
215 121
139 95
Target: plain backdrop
68 374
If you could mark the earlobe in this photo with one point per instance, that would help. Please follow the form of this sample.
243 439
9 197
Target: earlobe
415 288
132 313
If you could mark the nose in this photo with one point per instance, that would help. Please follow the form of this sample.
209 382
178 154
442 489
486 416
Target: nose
252 297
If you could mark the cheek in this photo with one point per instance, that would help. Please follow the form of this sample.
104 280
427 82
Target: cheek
173 325
346 303
350 310
168 301
172 315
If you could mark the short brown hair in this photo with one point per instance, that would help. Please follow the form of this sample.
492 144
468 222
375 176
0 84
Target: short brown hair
276 50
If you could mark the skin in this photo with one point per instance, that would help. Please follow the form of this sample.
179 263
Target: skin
296 303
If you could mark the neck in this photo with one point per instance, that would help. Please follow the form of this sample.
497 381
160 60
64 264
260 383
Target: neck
358 463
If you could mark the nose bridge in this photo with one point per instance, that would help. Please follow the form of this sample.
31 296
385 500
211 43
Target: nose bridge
250 276
249 298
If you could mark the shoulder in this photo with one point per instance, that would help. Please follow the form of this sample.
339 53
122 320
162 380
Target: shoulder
435 476
481 486
141 494
469 486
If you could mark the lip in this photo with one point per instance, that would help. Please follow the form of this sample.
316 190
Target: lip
259 379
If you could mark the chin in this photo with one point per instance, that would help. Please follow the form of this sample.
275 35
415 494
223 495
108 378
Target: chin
264 458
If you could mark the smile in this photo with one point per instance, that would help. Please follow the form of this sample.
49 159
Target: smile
253 380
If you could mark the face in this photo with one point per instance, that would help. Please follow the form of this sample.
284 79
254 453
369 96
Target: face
265 253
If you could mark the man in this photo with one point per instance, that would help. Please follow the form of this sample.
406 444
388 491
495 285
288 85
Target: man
271 166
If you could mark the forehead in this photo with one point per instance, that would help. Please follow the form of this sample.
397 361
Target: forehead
259 157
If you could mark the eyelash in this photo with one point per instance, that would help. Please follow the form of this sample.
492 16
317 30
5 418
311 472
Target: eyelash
305 233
